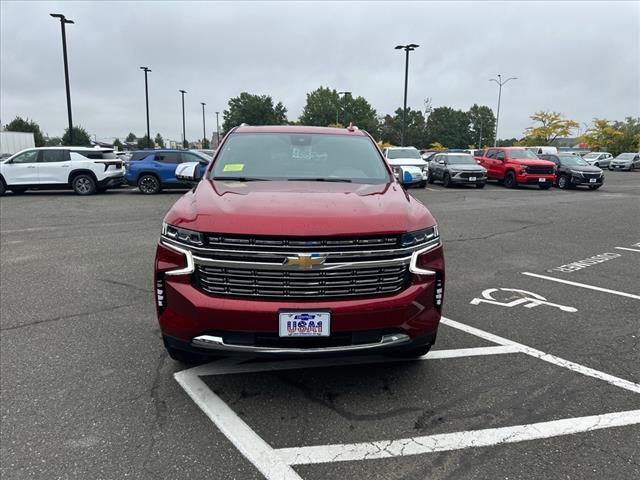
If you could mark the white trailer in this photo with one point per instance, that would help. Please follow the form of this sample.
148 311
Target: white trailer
13 142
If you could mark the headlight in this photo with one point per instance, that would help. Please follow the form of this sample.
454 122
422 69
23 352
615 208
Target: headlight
524 168
577 173
182 235
420 236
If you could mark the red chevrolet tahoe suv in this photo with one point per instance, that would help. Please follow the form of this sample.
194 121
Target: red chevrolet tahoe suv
515 165
297 240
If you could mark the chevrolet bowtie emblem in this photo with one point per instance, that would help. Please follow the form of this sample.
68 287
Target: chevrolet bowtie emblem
305 260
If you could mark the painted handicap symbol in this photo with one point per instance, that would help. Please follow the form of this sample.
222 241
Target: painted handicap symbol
518 297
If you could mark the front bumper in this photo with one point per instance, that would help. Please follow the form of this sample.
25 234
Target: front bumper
534 179
114 181
578 180
480 178
619 166
203 323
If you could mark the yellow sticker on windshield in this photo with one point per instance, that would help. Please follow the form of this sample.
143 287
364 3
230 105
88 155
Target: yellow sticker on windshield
233 167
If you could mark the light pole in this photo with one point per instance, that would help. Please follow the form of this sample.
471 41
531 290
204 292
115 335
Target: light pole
146 96
217 130
338 106
184 136
63 22
204 128
480 137
500 83
407 49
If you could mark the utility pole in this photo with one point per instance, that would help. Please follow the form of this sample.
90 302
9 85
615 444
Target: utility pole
146 96
407 48
63 22
344 94
217 130
500 83
204 128
184 135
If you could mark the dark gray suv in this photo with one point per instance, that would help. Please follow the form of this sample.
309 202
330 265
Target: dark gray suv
457 168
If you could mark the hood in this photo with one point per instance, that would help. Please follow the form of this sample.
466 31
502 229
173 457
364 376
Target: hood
284 208
396 162
466 168
622 161
584 168
533 162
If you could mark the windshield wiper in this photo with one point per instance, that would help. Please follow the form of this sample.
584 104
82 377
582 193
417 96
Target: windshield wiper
243 179
345 180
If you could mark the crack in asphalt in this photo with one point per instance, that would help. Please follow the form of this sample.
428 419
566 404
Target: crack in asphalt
497 234
160 411
73 315
124 284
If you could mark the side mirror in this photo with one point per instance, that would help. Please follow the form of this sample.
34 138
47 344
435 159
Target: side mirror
189 172
441 162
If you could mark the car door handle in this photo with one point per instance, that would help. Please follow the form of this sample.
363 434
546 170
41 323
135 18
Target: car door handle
31 166
64 166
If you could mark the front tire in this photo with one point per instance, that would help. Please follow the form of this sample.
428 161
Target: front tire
83 184
149 184
510 180
422 184
3 187
446 181
563 182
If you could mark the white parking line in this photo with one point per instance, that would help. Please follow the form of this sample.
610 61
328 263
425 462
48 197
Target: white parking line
248 442
576 367
628 249
583 285
275 464
454 441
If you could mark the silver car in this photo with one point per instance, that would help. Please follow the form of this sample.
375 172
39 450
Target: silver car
457 168
625 161
599 159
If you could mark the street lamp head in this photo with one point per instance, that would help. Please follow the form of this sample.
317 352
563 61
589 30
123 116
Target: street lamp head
202 103
146 69
62 18
413 45
399 47
182 91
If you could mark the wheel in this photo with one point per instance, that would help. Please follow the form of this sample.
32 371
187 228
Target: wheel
413 352
422 184
545 186
594 187
480 185
3 187
510 180
18 190
446 181
564 182
430 180
149 184
83 184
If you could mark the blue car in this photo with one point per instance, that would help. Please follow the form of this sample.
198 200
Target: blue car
153 170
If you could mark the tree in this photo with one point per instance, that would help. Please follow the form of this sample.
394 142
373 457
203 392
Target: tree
145 142
391 128
253 110
629 141
80 137
483 125
118 144
550 125
507 142
322 108
131 137
602 136
19 124
360 112
206 143
52 141
159 140
185 143
449 127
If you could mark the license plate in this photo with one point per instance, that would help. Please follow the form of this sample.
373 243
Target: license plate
542 180
592 180
472 179
304 324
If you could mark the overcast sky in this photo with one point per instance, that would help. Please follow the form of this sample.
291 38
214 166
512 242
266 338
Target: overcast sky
578 58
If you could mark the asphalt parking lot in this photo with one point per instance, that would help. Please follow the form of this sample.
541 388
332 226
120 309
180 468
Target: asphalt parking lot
535 374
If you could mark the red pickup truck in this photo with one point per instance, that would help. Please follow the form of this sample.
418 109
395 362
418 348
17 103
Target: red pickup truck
516 165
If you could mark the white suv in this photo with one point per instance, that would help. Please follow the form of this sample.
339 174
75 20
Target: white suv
407 165
85 170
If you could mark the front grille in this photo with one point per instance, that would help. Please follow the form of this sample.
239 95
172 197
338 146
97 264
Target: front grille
301 284
539 170
471 174
591 175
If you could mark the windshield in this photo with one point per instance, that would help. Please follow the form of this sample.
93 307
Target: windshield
522 154
572 160
287 156
590 156
393 153
625 156
461 160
